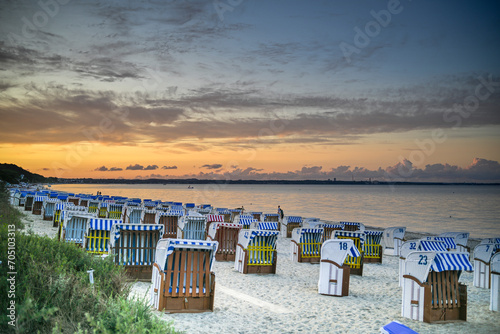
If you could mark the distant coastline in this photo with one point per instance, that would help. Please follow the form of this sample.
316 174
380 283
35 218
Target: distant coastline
311 182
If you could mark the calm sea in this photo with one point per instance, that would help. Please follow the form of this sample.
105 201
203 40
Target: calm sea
431 209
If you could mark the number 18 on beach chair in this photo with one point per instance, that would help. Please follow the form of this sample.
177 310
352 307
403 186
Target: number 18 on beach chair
306 244
256 252
182 276
431 291
333 273
358 237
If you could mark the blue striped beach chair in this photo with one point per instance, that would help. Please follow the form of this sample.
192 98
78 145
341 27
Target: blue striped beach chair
449 241
133 214
305 245
182 277
461 239
149 216
482 257
431 288
75 228
192 226
226 234
257 215
48 209
267 226
333 272
245 221
372 248
358 237
288 224
93 205
393 239
417 245
38 204
256 252
170 221
97 235
329 229
224 212
495 282
115 210
353 226
134 247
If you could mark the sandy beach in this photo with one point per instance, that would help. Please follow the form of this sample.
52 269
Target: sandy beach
289 302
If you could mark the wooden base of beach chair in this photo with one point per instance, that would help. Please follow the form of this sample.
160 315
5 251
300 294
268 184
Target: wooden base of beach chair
48 218
444 313
290 227
222 257
139 273
358 271
259 269
37 208
188 304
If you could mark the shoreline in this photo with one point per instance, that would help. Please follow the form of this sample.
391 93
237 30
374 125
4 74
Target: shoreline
289 302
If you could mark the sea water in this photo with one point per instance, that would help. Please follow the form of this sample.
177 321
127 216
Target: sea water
421 208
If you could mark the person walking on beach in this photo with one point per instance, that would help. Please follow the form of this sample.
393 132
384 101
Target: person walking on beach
280 213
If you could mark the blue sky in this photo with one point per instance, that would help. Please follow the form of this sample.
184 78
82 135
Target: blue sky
268 87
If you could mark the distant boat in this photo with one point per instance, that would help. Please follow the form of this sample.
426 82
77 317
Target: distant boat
189 187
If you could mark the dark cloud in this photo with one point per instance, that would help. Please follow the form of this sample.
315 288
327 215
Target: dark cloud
151 167
101 169
135 167
212 166
115 169
169 167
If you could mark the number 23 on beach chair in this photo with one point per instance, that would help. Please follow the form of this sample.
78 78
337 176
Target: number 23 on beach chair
333 273
431 291
182 278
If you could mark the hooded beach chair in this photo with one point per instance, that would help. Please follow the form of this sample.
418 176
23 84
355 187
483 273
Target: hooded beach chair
256 252
28 201
288 224
38 204
393 239
182 278
133 215
75 228
224 212
431 291
149 216
98 233
211 218
305 245
328 230
234 213
169 220
192 226
245 221
417 245
115 211
353 226
267 226
495 240
134 247
460 238
333 273
93 205
482 257
451 246
358 237
495 283
372 248
74 199
312 222
226 234
103 210
48 208
255 215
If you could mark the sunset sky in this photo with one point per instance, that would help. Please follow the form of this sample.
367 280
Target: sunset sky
240 89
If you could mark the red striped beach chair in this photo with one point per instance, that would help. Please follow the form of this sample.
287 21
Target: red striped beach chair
226 234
